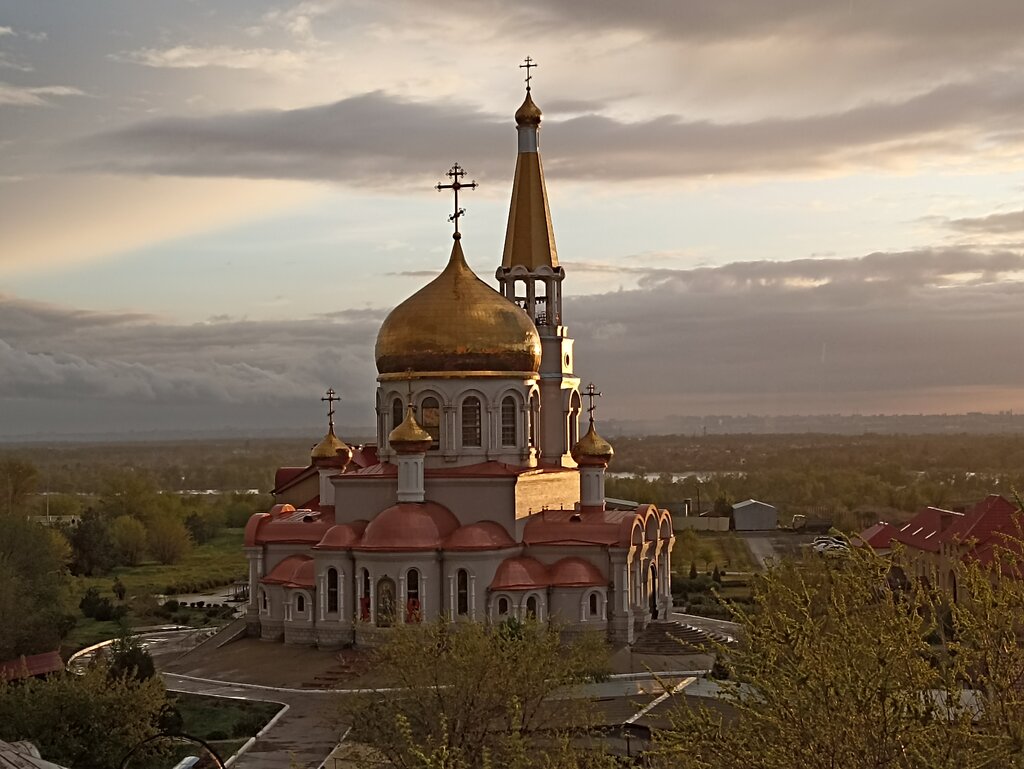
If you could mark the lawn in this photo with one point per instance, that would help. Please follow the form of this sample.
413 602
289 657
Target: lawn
726 549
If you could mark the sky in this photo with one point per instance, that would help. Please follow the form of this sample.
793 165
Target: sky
207 207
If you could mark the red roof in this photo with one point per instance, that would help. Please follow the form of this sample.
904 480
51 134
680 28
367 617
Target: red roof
293 571
879 535
344 536
479 470
409 526
576 572
485 535
31 665
993 515
286 477
520 573
574 527
365 455
924 529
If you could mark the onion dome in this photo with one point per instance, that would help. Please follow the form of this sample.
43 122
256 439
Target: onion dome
330 450
592 448
409 526
576 572
457 324
409 437
529 113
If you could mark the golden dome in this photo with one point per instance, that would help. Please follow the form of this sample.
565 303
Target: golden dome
331 447
409 436
592 448
529 113
457 324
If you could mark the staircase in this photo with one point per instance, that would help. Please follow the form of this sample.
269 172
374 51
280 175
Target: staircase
672 638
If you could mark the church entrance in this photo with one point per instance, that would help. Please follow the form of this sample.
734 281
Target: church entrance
652 592
385 602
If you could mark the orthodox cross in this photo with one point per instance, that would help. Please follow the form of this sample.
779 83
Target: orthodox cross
456 173
592 393
330 397
529 64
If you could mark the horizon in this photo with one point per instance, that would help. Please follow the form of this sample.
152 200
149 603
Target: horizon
798 210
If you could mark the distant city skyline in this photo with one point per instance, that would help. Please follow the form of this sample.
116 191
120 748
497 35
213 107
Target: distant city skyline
207 209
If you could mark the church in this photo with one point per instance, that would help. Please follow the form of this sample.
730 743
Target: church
481 498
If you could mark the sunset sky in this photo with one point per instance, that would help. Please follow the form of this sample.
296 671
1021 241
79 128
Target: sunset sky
207 207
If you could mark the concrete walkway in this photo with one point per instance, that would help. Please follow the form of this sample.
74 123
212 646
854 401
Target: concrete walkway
302 735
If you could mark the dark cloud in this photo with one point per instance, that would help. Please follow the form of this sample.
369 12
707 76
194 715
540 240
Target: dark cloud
378 139
799 336
993 224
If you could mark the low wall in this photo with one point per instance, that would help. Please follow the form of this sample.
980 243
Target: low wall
695 523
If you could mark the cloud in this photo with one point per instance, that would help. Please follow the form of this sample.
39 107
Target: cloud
4 31
993 224
366 139
34 96
192 57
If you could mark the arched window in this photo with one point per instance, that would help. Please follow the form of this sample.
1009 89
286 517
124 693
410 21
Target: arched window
575 406
332 589
531 607
509 422
364 597
594 604
430 420
471 432
263 595
412 595
397 412
503 606
534 408
300 603
462 593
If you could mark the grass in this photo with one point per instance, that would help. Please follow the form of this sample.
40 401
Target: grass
211 717
725 548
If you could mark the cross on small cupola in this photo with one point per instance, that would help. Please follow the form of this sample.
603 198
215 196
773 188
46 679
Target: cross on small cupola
455 174
331 398
530 64
592 393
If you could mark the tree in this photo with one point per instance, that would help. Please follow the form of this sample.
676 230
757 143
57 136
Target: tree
92 544
34 594
693 570
128 657
18 479
169 540
129 538
471 696
841 669
88 720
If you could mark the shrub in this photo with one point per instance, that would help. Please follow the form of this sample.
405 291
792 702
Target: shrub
217 734
248 726
182 617
171 605
169 540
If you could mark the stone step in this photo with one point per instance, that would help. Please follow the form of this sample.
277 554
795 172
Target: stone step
672 638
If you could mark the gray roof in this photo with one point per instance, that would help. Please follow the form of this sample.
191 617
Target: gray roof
22 755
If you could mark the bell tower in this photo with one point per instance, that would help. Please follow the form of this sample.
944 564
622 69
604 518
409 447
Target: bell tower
531 277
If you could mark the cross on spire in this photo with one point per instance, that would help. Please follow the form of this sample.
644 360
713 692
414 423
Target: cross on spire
456 173
331 397
528 66
592 393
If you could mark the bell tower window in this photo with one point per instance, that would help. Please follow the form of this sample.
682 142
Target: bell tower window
471 433
509 431
397 412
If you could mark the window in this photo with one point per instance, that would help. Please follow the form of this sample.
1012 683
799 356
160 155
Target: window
397 412
412 596
593 604
471 433
575 406
531 607
503 605
364 597
430 419
462 593
509 431
300 604
332 589
534 408
264 597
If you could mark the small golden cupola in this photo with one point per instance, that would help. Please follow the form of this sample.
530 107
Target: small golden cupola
592 453
409 437
457 325
331 451
592 448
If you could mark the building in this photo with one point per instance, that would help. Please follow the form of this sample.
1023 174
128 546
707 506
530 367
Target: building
752 515
480 499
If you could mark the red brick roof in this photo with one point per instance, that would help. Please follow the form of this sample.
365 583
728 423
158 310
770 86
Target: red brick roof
924 531
992 515
31 665
879 535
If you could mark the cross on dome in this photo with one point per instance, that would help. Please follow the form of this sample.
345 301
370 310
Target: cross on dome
456 172
528 66
330 397
592 393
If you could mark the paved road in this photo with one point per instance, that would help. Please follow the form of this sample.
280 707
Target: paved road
300 735
762 548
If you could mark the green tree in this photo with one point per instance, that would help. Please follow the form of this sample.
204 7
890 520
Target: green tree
92 544
128 657
89 720
18 479
129 538
169 540
470 696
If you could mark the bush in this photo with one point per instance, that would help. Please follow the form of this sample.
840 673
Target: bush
681 585
169 540
182 617
217 734
248 726
171 605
